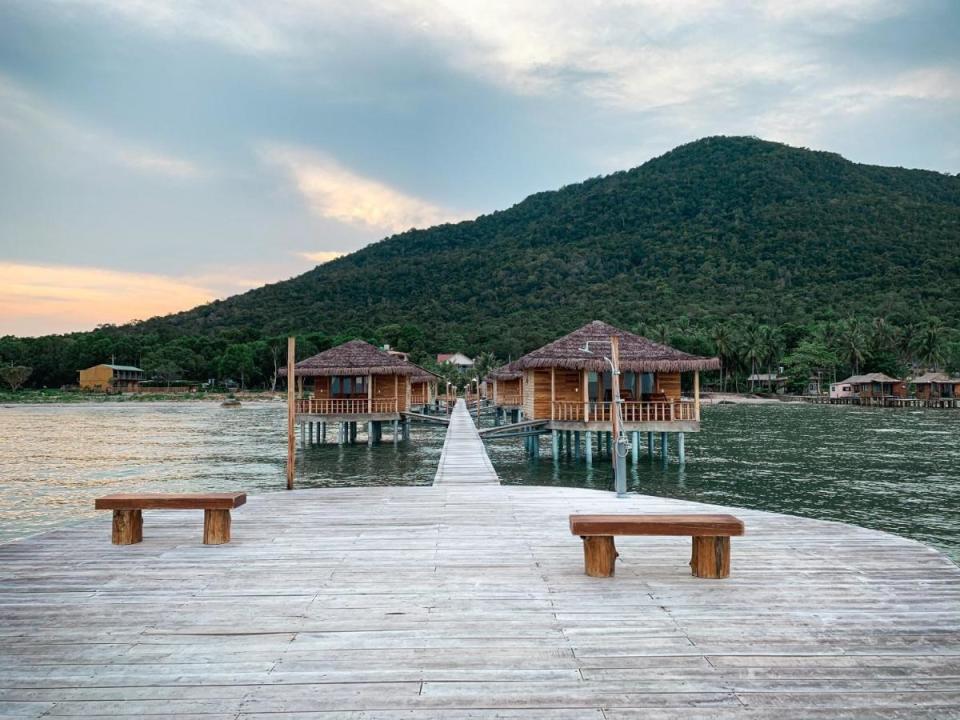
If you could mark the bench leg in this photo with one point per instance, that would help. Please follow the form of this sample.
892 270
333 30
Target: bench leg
599 555
127 527
216 527
710 557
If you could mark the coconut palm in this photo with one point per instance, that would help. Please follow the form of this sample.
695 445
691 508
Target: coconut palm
723 342
852 343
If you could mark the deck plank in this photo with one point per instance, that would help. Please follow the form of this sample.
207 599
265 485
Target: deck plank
469 601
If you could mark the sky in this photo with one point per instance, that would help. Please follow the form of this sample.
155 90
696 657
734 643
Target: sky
158 154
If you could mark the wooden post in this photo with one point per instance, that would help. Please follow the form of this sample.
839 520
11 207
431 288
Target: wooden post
710 557
588 447
553 391
369 393
291 409
696 395
216 527
127 527
586 395
599 555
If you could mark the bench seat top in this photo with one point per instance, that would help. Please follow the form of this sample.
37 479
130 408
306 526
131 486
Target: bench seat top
656 524
171 501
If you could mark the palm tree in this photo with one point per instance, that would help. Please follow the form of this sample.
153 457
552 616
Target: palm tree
928 343
755 349
723 342
852 343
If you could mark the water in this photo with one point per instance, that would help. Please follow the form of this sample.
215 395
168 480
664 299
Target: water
895 470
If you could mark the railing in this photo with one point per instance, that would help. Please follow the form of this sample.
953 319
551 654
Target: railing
418 398
631 412
347 406
509 398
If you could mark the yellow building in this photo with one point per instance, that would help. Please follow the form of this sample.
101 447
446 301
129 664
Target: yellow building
111 378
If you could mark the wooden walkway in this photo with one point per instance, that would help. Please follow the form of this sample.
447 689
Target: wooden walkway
464 459
459 601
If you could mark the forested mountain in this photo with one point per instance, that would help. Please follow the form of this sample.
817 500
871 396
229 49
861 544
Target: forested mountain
722 230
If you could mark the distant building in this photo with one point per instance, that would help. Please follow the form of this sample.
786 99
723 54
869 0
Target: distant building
111 378
769 380
458 359
869 389
936 386
396 353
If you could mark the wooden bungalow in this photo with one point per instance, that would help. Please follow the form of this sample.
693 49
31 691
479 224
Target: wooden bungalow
505 390
569 383
937 388
423 388
351 383
875 388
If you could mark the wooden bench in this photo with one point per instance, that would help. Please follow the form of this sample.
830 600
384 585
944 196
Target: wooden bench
128 512
711 539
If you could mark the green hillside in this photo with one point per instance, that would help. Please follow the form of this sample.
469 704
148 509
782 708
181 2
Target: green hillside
722 234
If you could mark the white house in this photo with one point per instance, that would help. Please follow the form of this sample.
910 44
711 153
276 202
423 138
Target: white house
457 358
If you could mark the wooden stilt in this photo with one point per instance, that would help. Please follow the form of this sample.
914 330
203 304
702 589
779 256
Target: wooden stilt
216 527
649 444
127 527
681 449
576 445
588 447
555 440
599 555
664 447
635 447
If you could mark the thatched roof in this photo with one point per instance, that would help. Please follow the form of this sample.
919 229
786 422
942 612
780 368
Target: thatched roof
636 353
868 378
510 371
422 375
353 358
935 378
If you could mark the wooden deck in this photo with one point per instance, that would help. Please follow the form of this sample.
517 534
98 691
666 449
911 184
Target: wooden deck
464 460
469 601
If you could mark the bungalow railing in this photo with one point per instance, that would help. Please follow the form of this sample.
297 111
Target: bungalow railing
631 412
509 398
347 406
418 398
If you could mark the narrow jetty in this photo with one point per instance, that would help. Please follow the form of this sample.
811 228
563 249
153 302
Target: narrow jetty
470 601
464 459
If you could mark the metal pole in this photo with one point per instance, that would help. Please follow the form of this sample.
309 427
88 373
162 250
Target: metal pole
620 446
291 410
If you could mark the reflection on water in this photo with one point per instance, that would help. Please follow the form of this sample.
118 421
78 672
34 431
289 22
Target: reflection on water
881 468
887 469
55 459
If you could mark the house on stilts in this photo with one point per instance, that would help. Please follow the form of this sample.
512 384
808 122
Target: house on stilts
424 390
354 383
505 388
568 384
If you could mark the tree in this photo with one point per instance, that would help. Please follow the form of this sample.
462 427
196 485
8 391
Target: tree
811 358
238 361
484 363
723 344
163 364
852 343
928 344
15 375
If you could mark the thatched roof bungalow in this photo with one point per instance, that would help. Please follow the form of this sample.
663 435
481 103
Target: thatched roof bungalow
936 386
423 387
569 383
871 386
354 381
507 384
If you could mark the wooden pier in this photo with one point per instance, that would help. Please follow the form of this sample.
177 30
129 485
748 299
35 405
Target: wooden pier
464 460
469 601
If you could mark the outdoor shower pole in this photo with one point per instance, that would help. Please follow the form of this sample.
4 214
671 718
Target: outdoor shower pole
291 410
620 445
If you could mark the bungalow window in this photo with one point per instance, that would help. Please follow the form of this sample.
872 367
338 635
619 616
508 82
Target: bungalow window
646 383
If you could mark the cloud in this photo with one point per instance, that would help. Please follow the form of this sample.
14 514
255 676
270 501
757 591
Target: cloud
802 118
28 115
321 256
39 299
332 191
